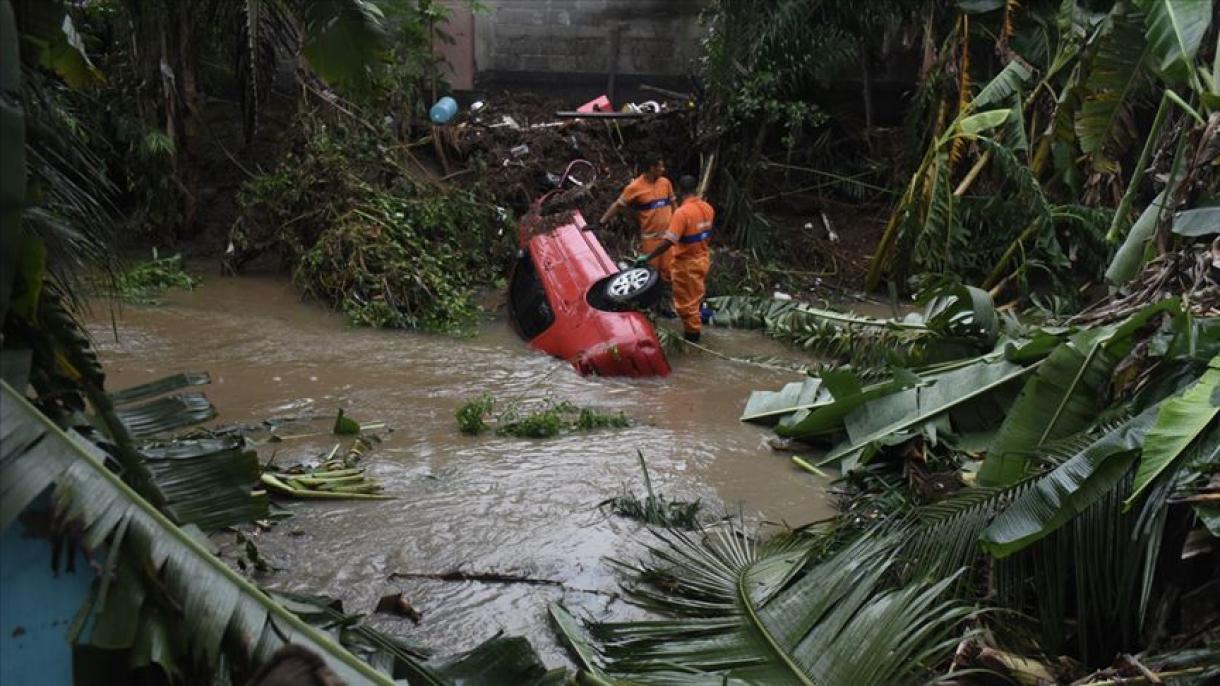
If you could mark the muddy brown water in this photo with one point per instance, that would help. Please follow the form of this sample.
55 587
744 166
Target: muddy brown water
480 504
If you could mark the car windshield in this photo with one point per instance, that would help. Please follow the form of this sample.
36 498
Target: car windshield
530 307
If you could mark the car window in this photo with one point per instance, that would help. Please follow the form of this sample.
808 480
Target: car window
530 305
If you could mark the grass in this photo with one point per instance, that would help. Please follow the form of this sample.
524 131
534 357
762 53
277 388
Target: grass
145 282
549 421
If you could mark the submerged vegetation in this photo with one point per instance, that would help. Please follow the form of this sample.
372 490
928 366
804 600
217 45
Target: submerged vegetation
551 419
654 509
145 282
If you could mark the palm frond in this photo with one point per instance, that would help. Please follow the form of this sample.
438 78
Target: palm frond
75 216
1090 583
268 35
839 621
342 37
1070 488
944 536
159 386
208 482
166 414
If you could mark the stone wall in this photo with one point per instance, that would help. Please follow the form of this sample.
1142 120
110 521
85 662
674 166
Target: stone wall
632 37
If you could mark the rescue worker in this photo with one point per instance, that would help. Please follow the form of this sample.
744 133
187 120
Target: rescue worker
687 235
651 197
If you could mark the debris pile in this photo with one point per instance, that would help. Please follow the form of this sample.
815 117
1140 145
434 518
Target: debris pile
517 147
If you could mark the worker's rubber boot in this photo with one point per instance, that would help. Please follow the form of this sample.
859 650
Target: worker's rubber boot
692 336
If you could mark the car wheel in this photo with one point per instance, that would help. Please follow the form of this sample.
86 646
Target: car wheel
638 286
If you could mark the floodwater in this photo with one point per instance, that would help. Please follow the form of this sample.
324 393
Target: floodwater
481 504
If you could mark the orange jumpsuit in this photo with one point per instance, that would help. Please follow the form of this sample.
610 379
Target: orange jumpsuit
689 231
653 206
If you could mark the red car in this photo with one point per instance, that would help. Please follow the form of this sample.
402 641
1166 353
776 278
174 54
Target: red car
568 298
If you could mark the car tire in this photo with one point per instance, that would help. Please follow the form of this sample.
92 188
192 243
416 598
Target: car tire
635 287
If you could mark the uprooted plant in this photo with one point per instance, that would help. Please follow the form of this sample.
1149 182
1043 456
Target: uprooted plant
956 321
549 419
144 282
366 236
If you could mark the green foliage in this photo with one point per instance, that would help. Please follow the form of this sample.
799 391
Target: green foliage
143 540
956 322
1071 515
588 420
470 415
145 282
762 614
764 70
1097 75
654 509
551 419
555 418
365 238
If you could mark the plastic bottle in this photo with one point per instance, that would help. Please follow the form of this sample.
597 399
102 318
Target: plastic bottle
443 110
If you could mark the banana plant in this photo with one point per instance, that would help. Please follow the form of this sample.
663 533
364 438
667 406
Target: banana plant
216 601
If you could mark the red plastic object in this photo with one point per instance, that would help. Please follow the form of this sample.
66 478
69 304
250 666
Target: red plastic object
567 261
599 104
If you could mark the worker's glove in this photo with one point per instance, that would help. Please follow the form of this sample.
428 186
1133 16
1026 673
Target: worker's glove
640 261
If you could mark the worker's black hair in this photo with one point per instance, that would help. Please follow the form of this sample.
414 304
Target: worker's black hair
687 184
649 158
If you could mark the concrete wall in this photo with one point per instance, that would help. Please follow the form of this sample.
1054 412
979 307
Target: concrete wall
633 37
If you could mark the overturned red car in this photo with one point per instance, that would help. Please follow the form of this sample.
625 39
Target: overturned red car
569 299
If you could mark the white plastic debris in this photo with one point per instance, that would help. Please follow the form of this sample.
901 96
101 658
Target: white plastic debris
830 232
506 121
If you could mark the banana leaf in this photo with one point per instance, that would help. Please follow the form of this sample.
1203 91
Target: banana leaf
1117 76
158 387
1007 83
825 417
1064 397
964 311
1069 489
748 614
1130 256
1175 31
875 420
767 407
209 483
216 602
1203 221
1180 421
166 414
